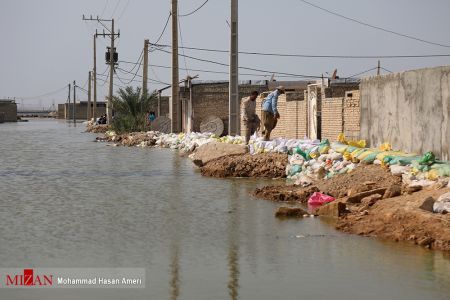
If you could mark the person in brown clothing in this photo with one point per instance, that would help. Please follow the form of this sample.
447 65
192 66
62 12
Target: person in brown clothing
250 118
270 114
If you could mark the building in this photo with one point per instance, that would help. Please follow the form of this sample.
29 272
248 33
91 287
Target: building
8 110
65 110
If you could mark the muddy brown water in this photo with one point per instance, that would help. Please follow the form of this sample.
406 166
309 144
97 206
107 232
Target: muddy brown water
66 201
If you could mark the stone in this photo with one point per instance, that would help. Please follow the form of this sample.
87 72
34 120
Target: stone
371 200
356 198
428 204
393 191
333 209
425 241
290 212
212 151
413 188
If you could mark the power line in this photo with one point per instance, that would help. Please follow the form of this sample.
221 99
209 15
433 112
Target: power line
244 68
104 8
204 70
164 29
140 76
115 8
194 11
366 71
123 10
43 95
373 26
387 70
311 55
182 48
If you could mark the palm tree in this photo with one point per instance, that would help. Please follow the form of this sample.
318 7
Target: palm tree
131 108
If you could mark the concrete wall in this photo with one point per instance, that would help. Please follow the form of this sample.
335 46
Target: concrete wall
8 111
65 110
410 110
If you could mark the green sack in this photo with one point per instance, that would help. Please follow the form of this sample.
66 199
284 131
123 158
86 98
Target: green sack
427 159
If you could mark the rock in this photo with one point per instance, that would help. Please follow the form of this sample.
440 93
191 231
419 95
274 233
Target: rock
290 212
428 204
212 151
425 241
392 191
333 209
357 197
369 183
412 189
371 200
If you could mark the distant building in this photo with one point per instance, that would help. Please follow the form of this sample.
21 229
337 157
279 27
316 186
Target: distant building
8 110
65 111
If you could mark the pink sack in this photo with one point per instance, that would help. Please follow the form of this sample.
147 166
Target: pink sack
319 199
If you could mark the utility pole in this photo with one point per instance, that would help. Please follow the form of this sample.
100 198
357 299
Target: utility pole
174 103
145 70
89 107
378 68
111 78
94 108
233 123
110 33
74 101
67 113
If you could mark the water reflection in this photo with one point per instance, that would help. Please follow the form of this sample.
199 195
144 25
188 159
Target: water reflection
233 242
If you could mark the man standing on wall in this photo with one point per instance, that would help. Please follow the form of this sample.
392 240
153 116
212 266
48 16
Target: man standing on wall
249 116
270 114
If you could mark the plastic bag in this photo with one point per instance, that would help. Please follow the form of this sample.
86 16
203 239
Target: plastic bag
427 159
385 147
324 146
442 204
319 199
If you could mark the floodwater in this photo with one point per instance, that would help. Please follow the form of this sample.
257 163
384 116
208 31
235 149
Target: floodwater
68 202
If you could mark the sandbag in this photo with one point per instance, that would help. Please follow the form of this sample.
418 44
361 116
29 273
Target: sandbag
442 204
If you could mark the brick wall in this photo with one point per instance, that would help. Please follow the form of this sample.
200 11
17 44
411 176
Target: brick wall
212 99
332 117
292 109
352 115
341 114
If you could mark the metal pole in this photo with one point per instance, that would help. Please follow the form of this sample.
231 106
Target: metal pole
67 107
111 74
159 103
174 105
74 101
94 108
233 123
378 68
89 107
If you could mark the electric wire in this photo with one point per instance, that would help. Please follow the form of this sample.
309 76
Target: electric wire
194 11
43 95
115 8
245 68
164 29
311 55
366 71
182 49
373 26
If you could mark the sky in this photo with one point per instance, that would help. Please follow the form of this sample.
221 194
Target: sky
45 44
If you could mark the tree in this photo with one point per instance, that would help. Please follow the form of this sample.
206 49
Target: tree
131 109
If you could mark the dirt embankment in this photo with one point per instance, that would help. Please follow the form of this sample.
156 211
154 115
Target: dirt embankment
401 219
361 179
372 202
267 165
97 128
